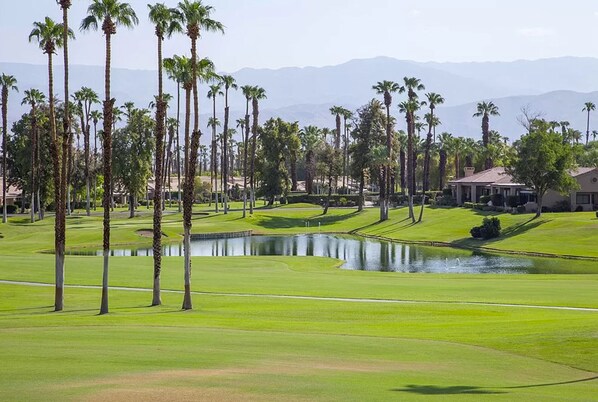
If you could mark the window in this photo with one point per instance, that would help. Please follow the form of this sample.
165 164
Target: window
583 199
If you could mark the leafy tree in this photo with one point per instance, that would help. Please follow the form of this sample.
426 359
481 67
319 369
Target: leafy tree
110 14
368 133
271 163
8 83
133 148
542 162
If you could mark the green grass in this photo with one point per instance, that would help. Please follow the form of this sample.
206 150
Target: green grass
450 339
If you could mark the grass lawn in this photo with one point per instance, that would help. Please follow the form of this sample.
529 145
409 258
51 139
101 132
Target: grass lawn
453 337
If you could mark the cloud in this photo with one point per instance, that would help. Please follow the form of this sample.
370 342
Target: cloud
415 13
535 32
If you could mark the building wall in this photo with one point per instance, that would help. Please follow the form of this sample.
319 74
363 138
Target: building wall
588 184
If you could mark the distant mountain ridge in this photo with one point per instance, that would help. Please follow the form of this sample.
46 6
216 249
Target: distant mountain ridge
558 87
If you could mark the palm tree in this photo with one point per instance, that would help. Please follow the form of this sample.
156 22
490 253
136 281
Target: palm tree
485 110
110 13
589 108
213 93
402 140
458 147
433 100
387 88
246 90
8 83
409 107
49 36
257 94
229 83
33 98
166 22
310 137
85 98
96 116
444 146
347 115
196 16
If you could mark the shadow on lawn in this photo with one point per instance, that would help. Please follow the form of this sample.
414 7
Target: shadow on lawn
511 231
277 222
454 390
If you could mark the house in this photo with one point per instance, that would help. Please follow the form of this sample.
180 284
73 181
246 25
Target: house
496 181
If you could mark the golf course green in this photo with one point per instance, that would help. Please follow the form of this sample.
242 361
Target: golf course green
299 328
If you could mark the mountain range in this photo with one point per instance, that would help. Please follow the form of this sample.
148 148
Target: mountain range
557 88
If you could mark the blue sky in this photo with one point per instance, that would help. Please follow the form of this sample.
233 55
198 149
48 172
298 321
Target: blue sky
280 33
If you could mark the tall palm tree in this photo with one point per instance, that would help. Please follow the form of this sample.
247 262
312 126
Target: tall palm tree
229 83
257 94
310 137
485 110
96 116
111 14
444 146
33 98
589 107
196 17
432 100
166 23
387 88
347 115
49 36
86 97
337 111
246 90
213 93
409 108
8 83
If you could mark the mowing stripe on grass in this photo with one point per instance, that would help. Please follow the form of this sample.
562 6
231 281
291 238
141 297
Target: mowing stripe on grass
319 298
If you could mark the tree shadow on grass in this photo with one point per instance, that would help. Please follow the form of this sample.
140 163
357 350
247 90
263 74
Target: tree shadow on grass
451 390
511 231
280 222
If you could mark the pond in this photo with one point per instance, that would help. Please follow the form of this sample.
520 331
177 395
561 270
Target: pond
371 255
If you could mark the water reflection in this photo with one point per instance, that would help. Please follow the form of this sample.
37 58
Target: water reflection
369 255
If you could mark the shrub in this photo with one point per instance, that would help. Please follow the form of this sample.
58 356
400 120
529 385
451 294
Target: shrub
497 200
11 209
513 201
283 200
579 208
343 201
485 199
521 209
468 205
447 191
490 229
596 214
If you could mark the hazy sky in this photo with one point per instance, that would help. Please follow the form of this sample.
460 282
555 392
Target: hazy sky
280 33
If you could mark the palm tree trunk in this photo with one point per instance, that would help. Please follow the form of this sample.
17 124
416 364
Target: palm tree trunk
441 169
33 146
157 227
588 128
190 179
107 159
253 149
59 246
225 158
4 133
178 149
245 149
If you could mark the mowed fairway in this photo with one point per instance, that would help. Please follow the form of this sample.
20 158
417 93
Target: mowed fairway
348 336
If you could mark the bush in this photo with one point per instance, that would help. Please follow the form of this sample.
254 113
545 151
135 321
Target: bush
490 229
447 191
579 208
521 209
351 200
468 205
513 201
11 209
485 199
497 200
596 214
343 201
